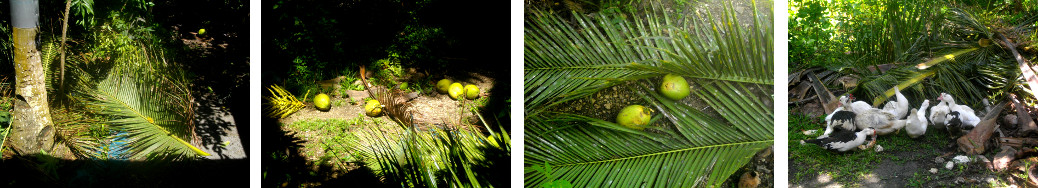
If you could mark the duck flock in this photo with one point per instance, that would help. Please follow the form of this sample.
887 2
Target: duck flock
856 124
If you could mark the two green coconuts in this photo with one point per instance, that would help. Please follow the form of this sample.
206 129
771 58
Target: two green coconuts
637 117
456 91
323 103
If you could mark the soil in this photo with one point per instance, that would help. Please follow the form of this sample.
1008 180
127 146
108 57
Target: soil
430 109
307 161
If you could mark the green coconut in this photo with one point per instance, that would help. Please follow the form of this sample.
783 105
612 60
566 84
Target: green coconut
322 102
372 108
634 116
471 91
674 87
456 91
443 85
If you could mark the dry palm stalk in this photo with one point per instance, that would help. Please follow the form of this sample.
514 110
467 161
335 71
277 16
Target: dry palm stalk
394 101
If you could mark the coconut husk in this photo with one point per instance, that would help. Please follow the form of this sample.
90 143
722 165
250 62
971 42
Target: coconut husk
975 142
1027 125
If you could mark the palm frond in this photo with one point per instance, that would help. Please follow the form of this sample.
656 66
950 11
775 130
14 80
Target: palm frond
423 158
698 149
139 105
281 103
954 56
727 64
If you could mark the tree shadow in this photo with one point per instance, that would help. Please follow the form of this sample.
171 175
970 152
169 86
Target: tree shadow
285 166
218 63
46 171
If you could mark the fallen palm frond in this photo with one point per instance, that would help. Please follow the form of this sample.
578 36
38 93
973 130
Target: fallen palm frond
729 65
281 103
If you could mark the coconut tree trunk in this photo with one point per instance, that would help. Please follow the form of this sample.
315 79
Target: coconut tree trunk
33 131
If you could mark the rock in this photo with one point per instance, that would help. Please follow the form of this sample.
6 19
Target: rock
1003 158
1010 119
933 170
357 95
939 160
961 159
879 148
949 165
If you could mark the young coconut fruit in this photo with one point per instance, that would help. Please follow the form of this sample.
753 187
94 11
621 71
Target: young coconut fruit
443 85
471 92
372 108
674 87
634 116
322 102
456 91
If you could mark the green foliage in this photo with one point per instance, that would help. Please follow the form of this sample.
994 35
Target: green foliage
135 88
551 181
886 44
5 128
85 10
386 70
349 83
421 44
572 58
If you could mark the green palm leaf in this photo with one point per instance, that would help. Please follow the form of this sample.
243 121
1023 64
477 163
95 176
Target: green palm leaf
730 69
144 107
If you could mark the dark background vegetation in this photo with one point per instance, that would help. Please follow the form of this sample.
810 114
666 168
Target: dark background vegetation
219 78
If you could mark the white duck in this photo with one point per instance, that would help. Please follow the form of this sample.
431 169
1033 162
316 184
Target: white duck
947 98
884 123
965 113
899 107
895 125
937 114
859 107
842 141
917 121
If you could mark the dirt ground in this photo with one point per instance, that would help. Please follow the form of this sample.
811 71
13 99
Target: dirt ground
429 109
